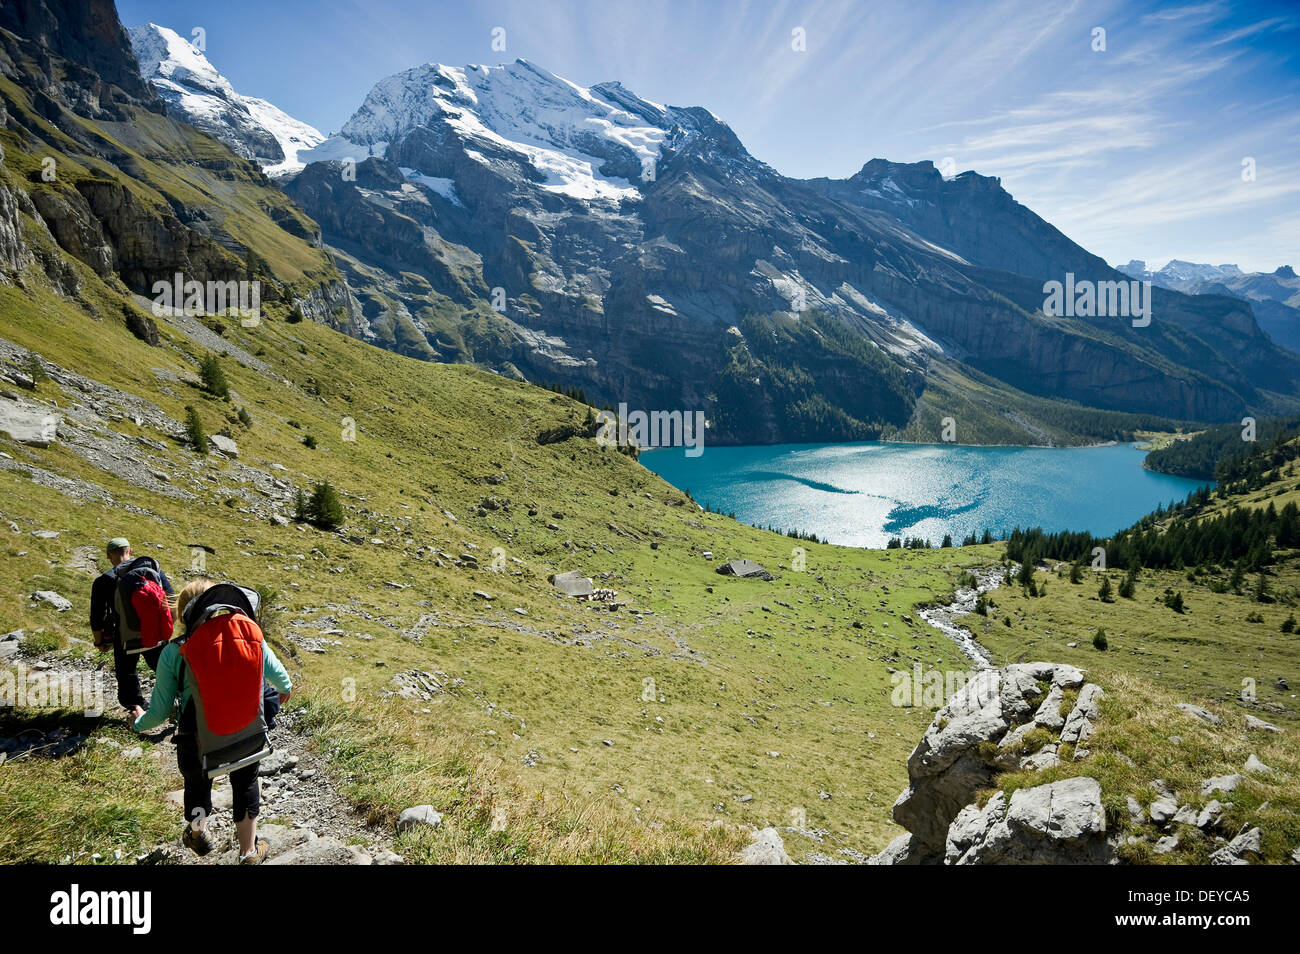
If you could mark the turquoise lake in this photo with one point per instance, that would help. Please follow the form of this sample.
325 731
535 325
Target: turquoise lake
864 493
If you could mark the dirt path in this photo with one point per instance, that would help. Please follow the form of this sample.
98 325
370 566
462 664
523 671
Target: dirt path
303 816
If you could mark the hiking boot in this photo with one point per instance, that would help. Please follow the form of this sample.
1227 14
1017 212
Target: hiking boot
258 854
199 842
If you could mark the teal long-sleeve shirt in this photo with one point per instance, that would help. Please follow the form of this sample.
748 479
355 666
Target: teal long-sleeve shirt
169 685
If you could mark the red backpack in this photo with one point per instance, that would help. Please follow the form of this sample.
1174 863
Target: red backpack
144 617
223 651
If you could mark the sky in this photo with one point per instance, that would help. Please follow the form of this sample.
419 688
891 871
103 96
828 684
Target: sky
1175 133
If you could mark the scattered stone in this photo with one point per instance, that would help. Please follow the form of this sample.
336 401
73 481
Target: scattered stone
10 643
1242 850
1185 815
766 849
1163 809
1256 767
1260 724
1166 844
54 599
1221 783
1210 814
277 762
1135 812
1196 712
419 816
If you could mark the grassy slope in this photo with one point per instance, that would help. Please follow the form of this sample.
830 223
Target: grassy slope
806 684
1222 646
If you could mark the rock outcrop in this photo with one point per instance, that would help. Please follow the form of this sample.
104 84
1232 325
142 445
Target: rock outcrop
1002 720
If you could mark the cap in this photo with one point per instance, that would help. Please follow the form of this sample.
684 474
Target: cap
118 543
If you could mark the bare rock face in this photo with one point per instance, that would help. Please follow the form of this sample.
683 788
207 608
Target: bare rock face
953 760
1057 823
29 423
1002 720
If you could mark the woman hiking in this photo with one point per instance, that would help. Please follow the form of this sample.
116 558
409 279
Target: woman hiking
217 670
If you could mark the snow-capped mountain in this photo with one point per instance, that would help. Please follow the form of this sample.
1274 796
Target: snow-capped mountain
193 88
1179 274
597 144
1274 296
639 251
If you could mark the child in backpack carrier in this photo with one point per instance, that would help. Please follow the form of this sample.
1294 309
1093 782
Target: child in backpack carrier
218 670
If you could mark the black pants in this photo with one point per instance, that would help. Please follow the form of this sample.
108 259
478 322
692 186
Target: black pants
128 680
198 787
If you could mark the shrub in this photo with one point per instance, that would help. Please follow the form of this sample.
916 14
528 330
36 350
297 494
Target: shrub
194 431
1099 641
34 368
214 377
309 441
324 508
1104 592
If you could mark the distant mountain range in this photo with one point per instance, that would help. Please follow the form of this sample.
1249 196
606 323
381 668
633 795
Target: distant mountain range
1274 296
506 217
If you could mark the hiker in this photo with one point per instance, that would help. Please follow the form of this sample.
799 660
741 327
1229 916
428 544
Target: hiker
106 617
218 670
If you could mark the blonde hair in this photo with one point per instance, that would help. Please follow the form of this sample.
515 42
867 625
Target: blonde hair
188 592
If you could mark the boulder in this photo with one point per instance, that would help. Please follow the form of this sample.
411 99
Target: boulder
224 445
10 643
1256 767
419 816
767 848
573 583
1221 783
1163 809
28 424
54 599
1260 725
